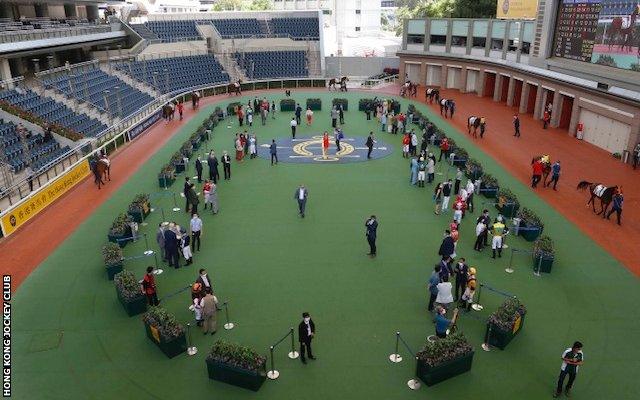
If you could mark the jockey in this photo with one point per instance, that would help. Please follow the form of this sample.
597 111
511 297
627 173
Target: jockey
105 160
498 229
545 159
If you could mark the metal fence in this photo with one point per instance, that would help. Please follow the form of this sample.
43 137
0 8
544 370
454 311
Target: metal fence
36 34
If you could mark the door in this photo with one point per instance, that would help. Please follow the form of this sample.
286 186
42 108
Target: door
413 72
453 78
433 75
604 132
472 78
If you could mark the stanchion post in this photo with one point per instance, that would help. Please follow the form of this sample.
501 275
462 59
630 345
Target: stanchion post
485 345
229 325
191 350
175 203
396 357
509 269
477 306
293 354
272 374
148 251
414 384
536 272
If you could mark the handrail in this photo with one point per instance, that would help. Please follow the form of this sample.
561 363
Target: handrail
23 35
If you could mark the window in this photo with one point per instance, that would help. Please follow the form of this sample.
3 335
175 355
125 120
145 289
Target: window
525 47
460 41
357 29
496 44
479 42
439 39
415 39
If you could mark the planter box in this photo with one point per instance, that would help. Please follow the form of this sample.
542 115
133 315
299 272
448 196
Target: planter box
314 105
543 263
117 238
170 348
530 233
135 306
488 192
195 144
475 174
179 167
232 375
112 270
432 375
286 106
141 214
345 105
461 162
508 210
500 338
362 105
165 182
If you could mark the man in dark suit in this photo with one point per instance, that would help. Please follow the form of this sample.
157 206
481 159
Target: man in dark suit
306 332
171 246
369 143
199 169
301 195
212 161
447 246
372 233
226 165
185 191
205 281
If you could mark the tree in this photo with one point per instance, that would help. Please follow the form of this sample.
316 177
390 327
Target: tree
409 9
260 5
228 5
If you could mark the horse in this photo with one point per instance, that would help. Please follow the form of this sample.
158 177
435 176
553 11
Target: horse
473 121
622 33
101 168
546 167
598 190
234 88
446 106
432 93
334 81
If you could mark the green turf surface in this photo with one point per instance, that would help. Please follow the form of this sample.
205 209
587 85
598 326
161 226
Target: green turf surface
73 340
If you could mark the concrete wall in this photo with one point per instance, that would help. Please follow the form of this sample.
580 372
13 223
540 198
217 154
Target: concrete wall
358 66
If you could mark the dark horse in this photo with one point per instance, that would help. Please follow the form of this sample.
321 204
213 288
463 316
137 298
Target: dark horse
597 190
433 93
101 169
343 83
546 167
234 88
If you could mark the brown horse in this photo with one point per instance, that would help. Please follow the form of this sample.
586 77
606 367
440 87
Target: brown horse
234 88
343 83
597 190
101 170
623 35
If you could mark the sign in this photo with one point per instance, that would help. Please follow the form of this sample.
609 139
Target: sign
517 9
155 333
144 125
31 207
517 324
576 30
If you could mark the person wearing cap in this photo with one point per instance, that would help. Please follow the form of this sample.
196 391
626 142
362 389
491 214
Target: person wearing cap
306 332
149 287
572 359
185 245
470 289
196 297
497 230
422 171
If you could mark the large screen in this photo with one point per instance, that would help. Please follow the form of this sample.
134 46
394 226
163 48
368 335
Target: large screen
605 32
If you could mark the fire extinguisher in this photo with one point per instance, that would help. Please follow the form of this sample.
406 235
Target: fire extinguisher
580 131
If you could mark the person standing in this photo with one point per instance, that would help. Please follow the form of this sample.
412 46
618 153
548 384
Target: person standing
636 156
306 332
149 287
555 175
212 162
205 281
446 195
309 115
334 117
447 247
226 165
572 359
442 323
444 297
516 125
264 111
481 232
253 146
444 148
171 246
325 144
196 231
180 109
338 136
434 279
431 170
160 241
273 151
341 114
293 124
414 171
298 113
413 146
497 229
301 196
185 192
273 109
437 198
369 143
422 172
469 290
372 233
240 115
483 126
537 173
193 199
209 311
199 169
461 270
185 245
383 121
456 186
618 200
470 189
367 110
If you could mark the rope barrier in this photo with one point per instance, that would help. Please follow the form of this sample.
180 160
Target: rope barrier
505 294
175 293
273 373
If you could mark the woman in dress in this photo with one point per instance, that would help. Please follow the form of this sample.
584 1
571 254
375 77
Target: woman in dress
309 115
325 144
239 148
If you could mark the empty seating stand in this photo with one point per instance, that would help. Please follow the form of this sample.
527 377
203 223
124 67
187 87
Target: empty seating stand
33 151
104 91
273 64
53 112
146 33
296 28
174 31
171 74
241 27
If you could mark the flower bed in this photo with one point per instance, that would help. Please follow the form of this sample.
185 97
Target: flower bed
165 331
130 293
113 259
444 359
505 323
489 186
167 176
531 225
543 254
508 203
473 169
236 365
139 208
120 231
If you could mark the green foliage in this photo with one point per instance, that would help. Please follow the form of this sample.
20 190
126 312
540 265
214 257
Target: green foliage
137 205
127 285
505 316
505 195
473 167
260 5
234 354
168 171
606 60
635 67
228 5
409 9
460 153
314 104
112 254
232 108
120 225
287 105
165 322
450 348
529 217
343 102
489 181
543 246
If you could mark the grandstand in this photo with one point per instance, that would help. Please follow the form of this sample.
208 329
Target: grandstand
273 64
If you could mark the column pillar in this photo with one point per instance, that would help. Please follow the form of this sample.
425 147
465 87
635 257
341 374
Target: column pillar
487 43
5 71
444 71
556 109
497 89
402 71
92 13
480 83
575 117
505 40
427 34
510 91
405 29
70 11
539 107
41 9
5 10
469 38
463 80
524 97
447 43
423 73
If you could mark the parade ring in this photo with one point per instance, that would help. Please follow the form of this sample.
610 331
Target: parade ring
309 150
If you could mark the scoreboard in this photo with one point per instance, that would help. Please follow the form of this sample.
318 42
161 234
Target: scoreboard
576 28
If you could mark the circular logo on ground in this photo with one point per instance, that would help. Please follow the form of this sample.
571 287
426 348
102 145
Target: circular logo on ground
309 150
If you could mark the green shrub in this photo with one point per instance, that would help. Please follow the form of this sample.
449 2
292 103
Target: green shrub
164 322
529 218
543 246
489 181
440 351
127 285
506 315
343 102
287 105
232 108
112 254
234 354
507 196
120 225
314 104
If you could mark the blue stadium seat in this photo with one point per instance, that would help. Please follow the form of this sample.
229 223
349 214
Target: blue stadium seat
273 64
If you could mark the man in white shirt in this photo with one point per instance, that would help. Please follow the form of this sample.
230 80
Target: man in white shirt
293 124
196 231
572 358
470 188
301 195
444 297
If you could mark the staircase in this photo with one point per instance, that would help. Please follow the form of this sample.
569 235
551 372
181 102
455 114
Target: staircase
230 65
313 63
265 27
126 78
143 31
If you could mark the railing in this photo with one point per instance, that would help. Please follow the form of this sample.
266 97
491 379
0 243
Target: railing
50 33
371 83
